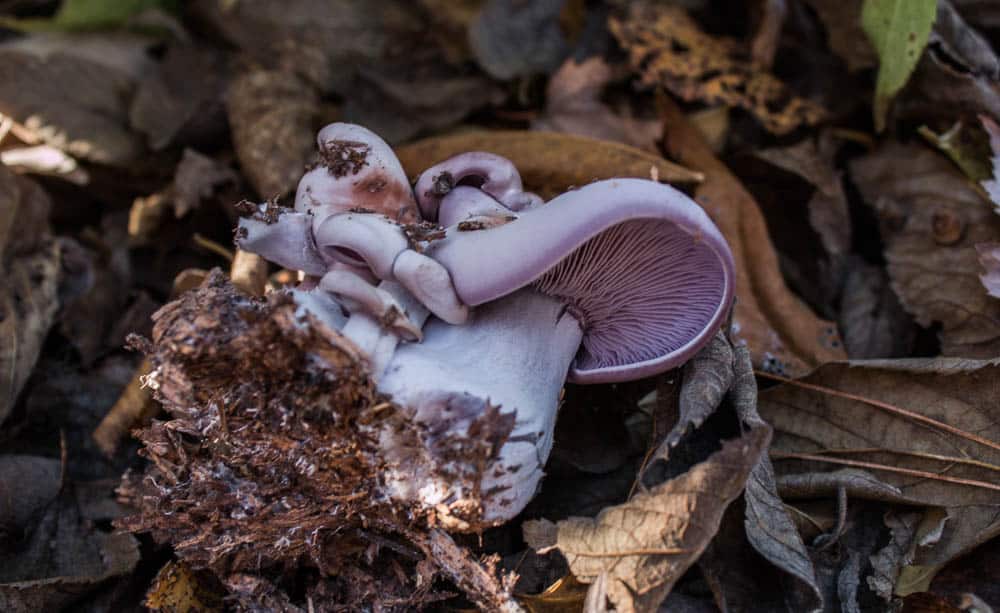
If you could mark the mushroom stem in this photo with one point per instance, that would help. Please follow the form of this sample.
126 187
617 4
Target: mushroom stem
513 353
377 339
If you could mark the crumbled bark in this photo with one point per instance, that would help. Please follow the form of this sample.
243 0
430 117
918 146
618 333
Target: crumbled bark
269 470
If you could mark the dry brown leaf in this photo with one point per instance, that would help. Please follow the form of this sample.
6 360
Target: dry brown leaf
549 163
68 101
27 485
647 543
29 276
931 218
669 49
65 557
783 335
573 105
564 596
178 589
842 20
271 114
872 321
923 463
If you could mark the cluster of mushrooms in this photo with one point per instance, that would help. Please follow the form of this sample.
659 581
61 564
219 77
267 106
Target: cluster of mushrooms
466 293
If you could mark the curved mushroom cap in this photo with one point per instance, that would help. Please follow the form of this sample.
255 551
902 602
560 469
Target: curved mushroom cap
491 173
640 265
357 170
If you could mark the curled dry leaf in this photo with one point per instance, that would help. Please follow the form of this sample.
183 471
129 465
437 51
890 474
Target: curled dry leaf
783 335
573 105
939 447
647 543
668 48
271 114
549 163
931 219
29 269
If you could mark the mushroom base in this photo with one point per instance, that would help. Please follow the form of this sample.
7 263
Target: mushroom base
502 370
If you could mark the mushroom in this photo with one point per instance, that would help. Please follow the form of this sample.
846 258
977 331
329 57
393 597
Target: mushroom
618 280
345 232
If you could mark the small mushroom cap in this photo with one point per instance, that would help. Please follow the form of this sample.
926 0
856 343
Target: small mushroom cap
491 173
356 170
638 263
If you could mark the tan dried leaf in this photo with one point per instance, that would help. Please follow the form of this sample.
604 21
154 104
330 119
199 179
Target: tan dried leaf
922 462
549 163
669 49
647 543
178 589
931 218
782 333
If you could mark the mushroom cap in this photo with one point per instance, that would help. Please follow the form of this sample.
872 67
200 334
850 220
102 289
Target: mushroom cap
638 263
357 170
489 172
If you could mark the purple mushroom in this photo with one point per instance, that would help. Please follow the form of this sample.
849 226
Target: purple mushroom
617 280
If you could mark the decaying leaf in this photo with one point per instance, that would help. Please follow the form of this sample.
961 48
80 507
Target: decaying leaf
646 543
966 146
573 105
64 557
931 220
939 446
272 115
989 259
872 321
899 30
515 39
783 335
564 596
668 48
29 275
28 484
68 99
890 560
842 20
183 100
178 589
549 163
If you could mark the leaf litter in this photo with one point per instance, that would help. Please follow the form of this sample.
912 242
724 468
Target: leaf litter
225 460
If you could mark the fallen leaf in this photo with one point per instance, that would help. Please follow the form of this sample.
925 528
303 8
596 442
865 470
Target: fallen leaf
271 114
88 15
872 321
669 49
28 484
420 93
959 71
573 105
939 446
899 30
966 146
931 219
897 554
977 573
647 543
783 335
549 163
517 39
182 101
842 20
68 100
29 260
178 589
989 258
64 558
564 596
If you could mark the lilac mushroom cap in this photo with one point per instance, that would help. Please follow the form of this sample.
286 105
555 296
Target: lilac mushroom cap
488 172
640 266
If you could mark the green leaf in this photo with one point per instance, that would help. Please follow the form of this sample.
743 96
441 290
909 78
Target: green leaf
899 30
77 15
